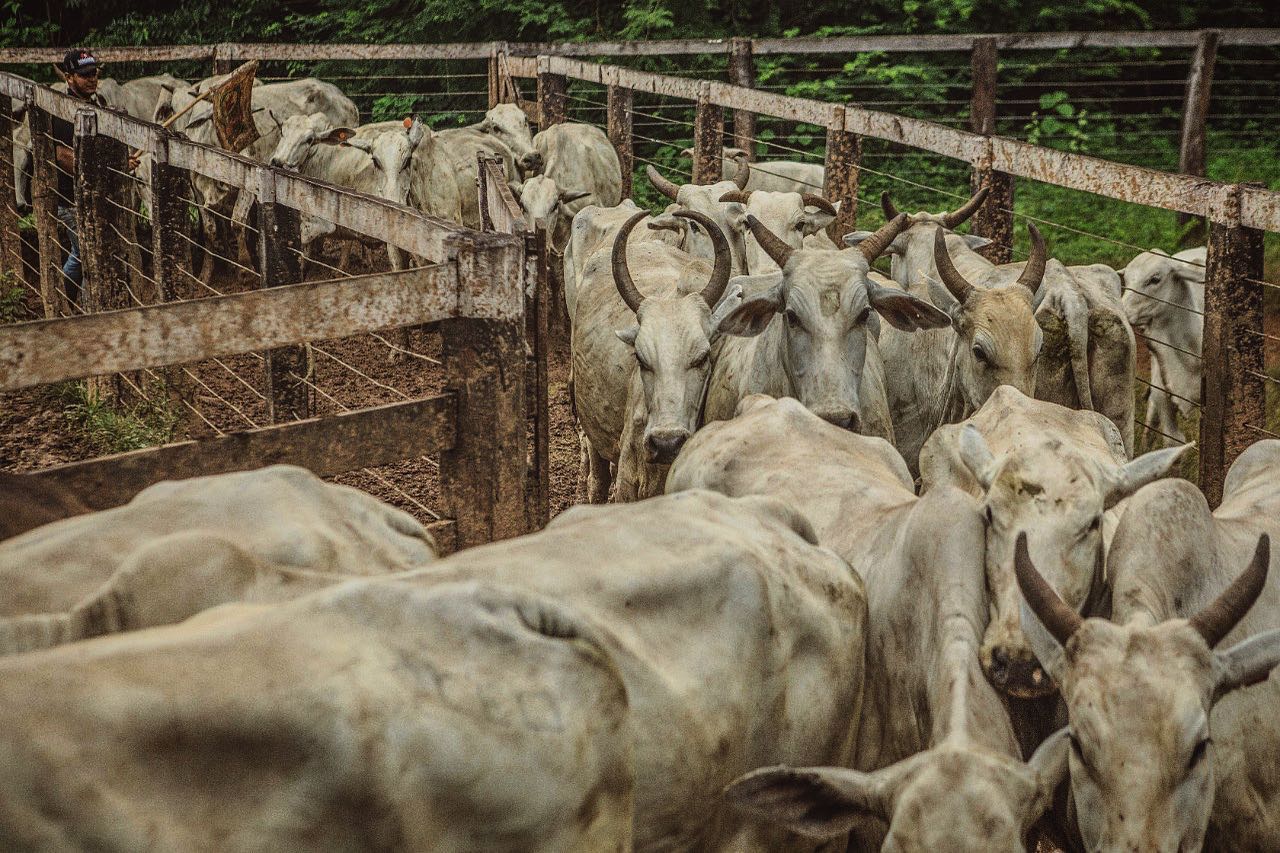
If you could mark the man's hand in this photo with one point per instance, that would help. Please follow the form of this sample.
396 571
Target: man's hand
134 160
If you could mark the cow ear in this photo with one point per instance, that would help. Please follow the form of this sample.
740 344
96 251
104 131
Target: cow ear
817 802
976 455
1248 662
567 196
1146 469
757 307
815 220
973 241
904 311
628 335
1049 763
853 238
942 298
337 136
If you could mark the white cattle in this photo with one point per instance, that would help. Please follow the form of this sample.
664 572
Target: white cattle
739 641
1164 301
940 767
777 176
505 132
705 199
373 715
1061 476
1175 743
941 377
810 332
179 547
273 104
638 385
790 216
579 168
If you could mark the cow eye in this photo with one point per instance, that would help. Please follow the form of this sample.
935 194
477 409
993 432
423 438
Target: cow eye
1155 279
864 315
793 319
1198 754
980 355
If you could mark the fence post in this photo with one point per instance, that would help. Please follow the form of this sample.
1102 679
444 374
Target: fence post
742 72
483 477
280 259
553 95
169 224
101 273
620 102
44 205
994 219
223 59
1232 388
844 153
10 236
708 139
538 335
1195 114
494 83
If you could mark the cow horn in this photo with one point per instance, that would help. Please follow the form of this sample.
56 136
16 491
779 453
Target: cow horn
1033 272
1216 621
621 274
947 271
874 246
1058 619
890 212
743 174
740 196
969 208
661 184
724 258
773 245
815 200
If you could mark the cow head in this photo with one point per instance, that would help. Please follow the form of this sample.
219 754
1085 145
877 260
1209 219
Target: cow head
997 337
954 796
546 203
705 199
299 136
509 124
912 250
1139 698
1057 494
392 155
791 216
1157 286
672 343
828 307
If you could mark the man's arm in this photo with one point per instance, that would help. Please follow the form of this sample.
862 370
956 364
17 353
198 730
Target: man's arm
66 158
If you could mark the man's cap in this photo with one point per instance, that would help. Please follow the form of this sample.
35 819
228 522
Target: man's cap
78 60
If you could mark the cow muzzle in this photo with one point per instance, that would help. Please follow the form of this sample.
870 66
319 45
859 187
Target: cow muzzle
662 445
1018 675
841 416
531 163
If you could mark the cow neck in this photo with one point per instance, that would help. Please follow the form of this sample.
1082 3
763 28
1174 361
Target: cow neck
947 407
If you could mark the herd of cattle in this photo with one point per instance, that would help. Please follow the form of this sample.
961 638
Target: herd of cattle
880 567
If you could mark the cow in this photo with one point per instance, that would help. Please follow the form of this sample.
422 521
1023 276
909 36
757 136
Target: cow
28 501
1164 302
579 168
789 215
504 132
705 199
1060 475
943 376
739 640
374 714
810 331
936 751
778 176
393 160
222 206
1172 715
638 385
181 546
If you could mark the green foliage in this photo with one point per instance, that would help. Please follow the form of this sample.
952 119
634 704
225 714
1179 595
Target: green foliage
114 429
13 306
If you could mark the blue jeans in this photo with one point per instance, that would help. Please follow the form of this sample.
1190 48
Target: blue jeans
71 267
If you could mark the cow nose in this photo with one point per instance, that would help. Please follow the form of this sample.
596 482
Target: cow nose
1000 667
663 445
277 162
843 418
532 163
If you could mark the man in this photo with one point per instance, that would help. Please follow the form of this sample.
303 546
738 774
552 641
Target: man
79 69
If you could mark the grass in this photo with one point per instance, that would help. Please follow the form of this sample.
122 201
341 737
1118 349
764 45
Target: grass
118 427
13 306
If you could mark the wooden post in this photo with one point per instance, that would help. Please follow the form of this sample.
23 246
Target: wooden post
223 59
1195 114
538 335
553 95
495 83
99 254
482 477
1232 388
620 101
10 237
169 224
44 206
844 153
994 219
708 139
280 259
742 72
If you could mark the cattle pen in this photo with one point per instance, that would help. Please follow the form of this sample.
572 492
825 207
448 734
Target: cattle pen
470 286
